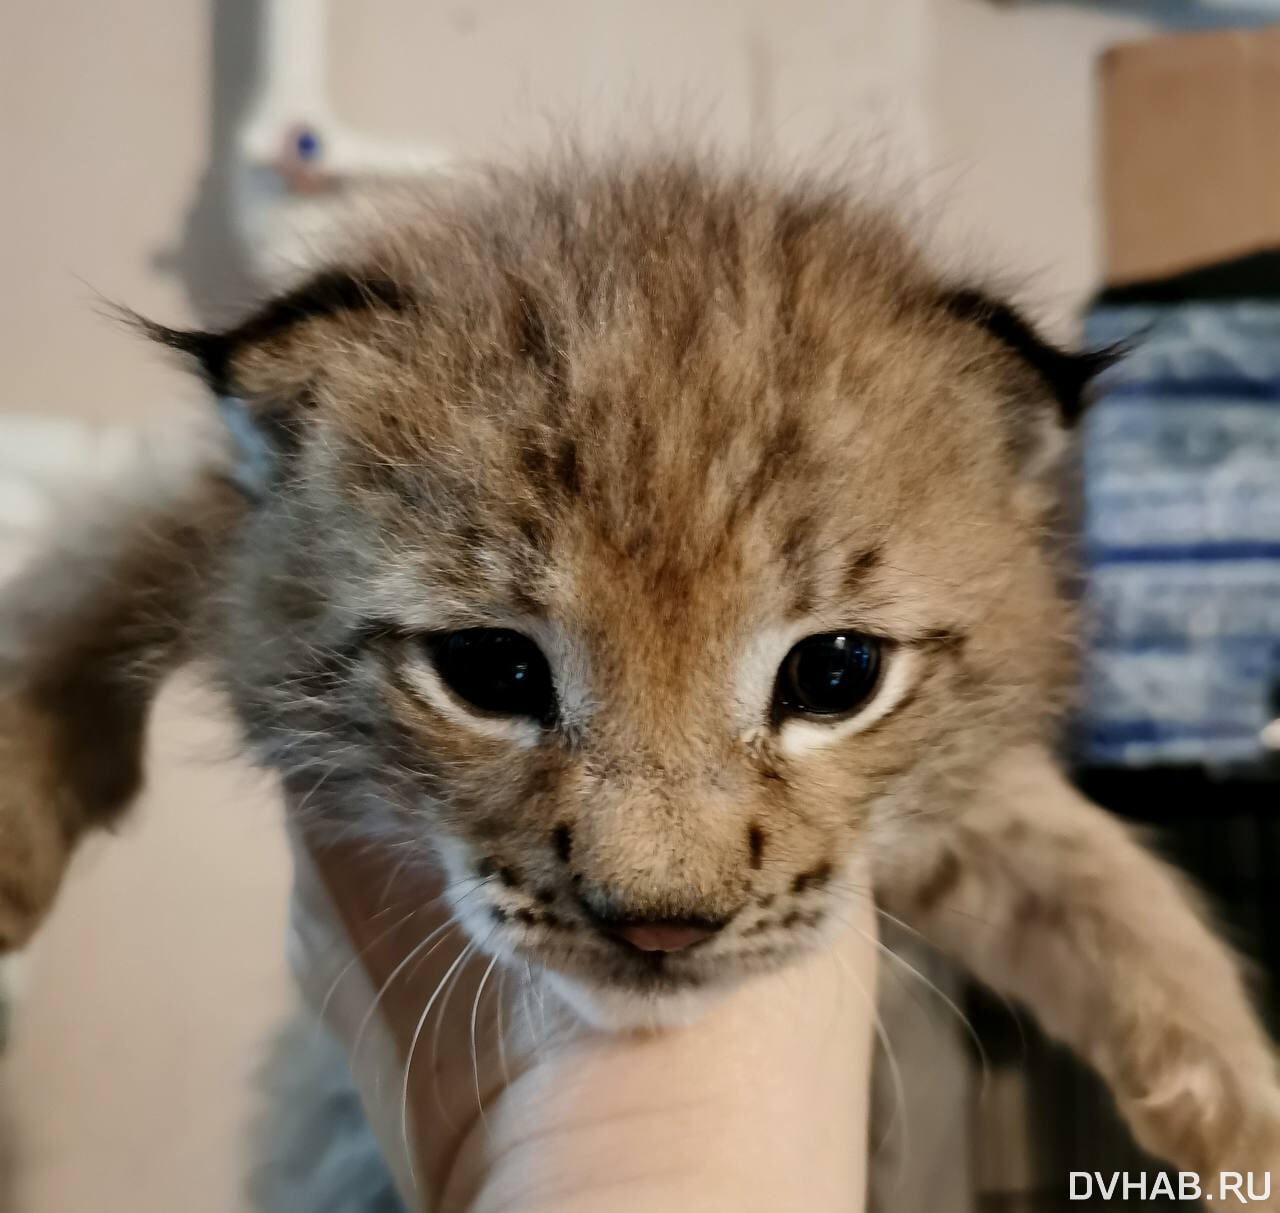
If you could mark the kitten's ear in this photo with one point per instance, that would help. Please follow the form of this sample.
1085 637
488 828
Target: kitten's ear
265 369
1066 374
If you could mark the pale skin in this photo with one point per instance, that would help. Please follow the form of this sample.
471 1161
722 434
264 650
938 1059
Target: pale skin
759 1103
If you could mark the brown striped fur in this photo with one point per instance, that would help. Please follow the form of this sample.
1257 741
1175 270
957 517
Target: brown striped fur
653 413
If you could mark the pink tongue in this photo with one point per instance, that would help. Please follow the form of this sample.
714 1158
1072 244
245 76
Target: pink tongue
657 937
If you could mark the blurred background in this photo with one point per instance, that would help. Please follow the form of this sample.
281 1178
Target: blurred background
1117 170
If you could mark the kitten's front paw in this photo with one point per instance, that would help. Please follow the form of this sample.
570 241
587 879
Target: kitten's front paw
34 844
1217 1121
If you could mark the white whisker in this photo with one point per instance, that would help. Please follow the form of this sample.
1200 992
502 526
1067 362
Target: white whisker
475 1059
355 958
501 1027
377 939
441 1106
946 1000
408 1065
448 925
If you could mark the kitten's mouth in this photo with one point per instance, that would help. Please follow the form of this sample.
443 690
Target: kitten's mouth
612 964
652 991
661 938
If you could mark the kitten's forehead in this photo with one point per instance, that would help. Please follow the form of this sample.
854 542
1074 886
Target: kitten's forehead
761 397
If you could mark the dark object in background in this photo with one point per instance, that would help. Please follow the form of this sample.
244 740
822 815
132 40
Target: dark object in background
1255 276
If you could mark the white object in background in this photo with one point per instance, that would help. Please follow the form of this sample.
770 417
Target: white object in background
298 163
1270 735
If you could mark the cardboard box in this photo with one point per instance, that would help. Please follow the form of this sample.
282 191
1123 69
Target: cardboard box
1190 150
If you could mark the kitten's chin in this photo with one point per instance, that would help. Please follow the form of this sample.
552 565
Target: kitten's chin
611 1009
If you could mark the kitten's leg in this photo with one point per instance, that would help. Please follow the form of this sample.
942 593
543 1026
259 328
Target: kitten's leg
1047 898
88 631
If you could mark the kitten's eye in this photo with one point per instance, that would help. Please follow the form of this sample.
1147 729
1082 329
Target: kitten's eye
828 675
496 670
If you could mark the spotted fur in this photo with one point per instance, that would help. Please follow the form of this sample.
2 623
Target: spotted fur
667 420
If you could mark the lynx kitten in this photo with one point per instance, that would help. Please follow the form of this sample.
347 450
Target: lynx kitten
645 541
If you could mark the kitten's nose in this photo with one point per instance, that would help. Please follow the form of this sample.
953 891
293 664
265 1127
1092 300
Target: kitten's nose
661 935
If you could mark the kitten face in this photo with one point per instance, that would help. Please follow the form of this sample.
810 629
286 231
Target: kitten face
566 469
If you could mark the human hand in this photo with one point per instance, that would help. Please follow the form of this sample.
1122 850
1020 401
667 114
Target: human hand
504 1100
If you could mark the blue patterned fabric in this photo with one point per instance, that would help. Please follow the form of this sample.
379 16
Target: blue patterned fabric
1182 536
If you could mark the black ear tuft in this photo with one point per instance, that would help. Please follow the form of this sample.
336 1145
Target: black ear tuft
1065 373
330 293
266 401
210 351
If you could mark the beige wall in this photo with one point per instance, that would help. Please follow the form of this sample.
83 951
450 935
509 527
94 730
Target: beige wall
488 79
163 968
102 134
1010 117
